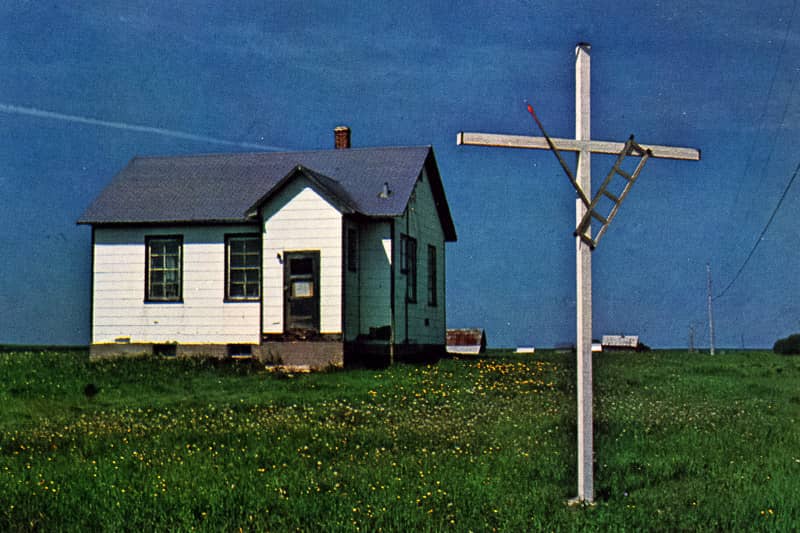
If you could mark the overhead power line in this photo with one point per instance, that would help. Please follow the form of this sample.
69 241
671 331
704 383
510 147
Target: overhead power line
767 100
769 156
761 235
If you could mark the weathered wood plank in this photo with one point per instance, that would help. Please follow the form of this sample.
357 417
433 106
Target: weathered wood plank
598 147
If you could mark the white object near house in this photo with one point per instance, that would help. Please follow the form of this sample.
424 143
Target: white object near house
321 257
525 349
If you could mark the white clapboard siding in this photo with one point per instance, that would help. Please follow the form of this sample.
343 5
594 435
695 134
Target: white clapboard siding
298 219
421 222
119 309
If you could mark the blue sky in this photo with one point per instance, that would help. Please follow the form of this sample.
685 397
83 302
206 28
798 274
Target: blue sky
88 85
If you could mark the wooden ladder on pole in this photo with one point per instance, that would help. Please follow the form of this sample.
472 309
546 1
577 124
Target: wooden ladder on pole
584 227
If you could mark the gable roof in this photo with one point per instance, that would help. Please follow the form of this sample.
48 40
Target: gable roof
226 188
328 187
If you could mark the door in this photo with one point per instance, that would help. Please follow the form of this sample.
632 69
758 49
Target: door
301 293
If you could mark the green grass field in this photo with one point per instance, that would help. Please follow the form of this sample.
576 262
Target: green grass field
682 442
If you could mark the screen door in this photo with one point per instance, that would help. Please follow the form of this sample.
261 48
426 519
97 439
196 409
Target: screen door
301 292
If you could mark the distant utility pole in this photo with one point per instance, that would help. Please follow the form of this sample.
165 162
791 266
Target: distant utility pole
710 310
587 211
691 338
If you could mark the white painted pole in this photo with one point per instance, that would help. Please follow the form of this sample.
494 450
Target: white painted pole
584 282
584 146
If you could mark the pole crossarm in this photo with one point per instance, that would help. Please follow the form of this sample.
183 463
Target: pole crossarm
501 140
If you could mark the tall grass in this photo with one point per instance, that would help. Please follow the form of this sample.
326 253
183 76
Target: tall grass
682 442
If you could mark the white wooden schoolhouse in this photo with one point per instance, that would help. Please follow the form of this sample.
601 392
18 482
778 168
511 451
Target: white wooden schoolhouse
299 258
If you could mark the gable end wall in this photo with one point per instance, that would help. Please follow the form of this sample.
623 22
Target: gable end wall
298 219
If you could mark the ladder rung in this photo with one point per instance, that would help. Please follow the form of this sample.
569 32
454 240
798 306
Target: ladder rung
611 197
624 174
598 216
589 241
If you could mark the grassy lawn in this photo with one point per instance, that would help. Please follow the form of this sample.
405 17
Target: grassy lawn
682 442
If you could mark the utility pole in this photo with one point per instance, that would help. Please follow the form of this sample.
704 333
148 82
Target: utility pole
586 213
710 310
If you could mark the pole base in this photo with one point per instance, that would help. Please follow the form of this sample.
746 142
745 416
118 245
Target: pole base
580 502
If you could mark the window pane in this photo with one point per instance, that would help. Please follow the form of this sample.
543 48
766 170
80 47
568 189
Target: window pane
251 290
156 276
252 260
302 266
249 246
157 291
236 246
236 290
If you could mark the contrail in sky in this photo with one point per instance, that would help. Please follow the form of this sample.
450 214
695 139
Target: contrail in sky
41 113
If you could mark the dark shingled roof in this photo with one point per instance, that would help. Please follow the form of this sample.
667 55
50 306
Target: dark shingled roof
227 187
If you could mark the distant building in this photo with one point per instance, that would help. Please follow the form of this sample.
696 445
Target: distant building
621 343
466 341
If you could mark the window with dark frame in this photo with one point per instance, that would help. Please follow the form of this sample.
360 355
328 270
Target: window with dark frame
352 249
164 269
408 265
242 267
432 296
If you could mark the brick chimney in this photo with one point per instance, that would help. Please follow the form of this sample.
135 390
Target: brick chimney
341 137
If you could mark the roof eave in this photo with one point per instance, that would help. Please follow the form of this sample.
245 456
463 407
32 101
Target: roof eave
177 222
440 198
